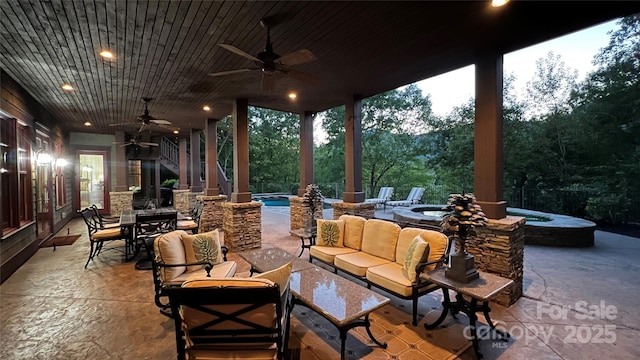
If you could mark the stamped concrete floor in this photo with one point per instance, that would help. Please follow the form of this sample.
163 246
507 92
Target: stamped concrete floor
578 303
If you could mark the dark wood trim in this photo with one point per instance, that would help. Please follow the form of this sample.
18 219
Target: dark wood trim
11 265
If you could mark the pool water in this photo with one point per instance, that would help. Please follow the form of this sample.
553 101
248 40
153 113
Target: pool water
275 201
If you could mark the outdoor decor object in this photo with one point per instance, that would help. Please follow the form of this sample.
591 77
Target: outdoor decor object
464 215
313 198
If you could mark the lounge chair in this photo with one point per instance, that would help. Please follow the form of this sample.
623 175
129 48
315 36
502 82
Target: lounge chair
383 196
414 197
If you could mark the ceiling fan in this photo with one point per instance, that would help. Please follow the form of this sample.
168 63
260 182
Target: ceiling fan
134 141
148 120
270 63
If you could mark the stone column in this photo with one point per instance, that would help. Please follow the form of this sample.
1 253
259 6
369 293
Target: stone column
119 201
366 210
242 225
488 147
499 248
212 213
299 212
353 151
181 201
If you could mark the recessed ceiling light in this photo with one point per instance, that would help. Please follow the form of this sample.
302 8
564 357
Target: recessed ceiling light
67 87
292 95
86 123
498 3
206 108
176 131
106 54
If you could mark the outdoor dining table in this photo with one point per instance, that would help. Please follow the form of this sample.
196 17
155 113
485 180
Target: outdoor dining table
128 223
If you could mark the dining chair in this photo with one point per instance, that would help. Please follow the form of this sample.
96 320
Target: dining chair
150 225
192 223
99 235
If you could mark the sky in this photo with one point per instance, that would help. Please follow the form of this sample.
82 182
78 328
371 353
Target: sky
576 50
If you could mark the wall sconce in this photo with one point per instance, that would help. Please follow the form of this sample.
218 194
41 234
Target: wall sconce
61 162
42 158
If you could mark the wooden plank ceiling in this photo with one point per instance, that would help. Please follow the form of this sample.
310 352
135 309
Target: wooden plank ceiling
165 49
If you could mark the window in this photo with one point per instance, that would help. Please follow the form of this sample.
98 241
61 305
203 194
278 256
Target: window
16 172
59 168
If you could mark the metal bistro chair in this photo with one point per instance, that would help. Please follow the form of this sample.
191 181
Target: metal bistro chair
150 225
192 223
230 318
98 234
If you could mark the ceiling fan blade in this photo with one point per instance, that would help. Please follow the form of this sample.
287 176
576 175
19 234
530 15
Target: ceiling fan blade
297 57
302 76
127 144
142 127
124 124
237 51
160 122
147 144
221 73
268 82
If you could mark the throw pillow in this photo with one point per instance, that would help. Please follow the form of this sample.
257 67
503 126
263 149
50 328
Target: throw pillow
279 276
202 247
330 232
418 252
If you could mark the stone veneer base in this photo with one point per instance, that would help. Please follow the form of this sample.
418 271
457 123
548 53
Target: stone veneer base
299 212
242 225
366 210
212 214
120 201
499 248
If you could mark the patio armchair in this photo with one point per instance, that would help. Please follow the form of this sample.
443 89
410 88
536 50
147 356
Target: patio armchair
99 235
414 197
179 256
383 196
232 318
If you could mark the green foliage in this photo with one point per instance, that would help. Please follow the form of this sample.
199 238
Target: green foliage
204 249
169 183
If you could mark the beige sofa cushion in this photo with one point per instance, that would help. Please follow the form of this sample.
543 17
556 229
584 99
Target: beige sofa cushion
226 269
202 247
417 253
169 250
438 244
107 233
327 253
393 277
353 228
379 238
330 232
357 262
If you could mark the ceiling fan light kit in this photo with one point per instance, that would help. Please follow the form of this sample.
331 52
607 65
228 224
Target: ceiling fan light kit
148 121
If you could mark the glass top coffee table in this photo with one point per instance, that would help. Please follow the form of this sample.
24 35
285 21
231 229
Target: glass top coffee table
344 303
266 259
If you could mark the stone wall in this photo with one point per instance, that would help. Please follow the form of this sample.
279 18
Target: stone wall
184 200
366 210
499 248
299 212
242 225
212 213
120 201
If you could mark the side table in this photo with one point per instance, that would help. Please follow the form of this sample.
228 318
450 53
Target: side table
304 235
480 291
